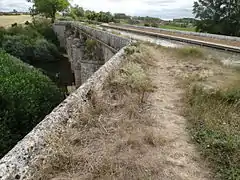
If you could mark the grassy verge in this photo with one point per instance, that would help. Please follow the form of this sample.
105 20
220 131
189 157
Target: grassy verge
191 52
192 29
214 123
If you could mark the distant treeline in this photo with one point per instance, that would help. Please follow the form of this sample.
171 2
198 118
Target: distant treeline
78 13
13 13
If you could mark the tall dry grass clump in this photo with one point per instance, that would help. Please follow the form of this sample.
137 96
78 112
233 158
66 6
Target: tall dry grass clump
190 52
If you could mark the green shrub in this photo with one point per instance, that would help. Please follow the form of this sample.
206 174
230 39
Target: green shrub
30 50
129 50
40 28
26 97
2 34
154 25
65 18
20 46
24 30
45 51
44 27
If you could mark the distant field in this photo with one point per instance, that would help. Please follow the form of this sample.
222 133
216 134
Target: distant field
178 28
8 20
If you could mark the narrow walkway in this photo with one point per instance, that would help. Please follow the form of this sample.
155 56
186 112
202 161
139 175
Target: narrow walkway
118 138
180 159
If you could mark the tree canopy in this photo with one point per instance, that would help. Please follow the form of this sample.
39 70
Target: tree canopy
78 11
218 16
49 7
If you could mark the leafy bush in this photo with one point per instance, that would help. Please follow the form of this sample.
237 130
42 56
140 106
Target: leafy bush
45 51
44 27
30 50
23 30
40 28
154 25
26 97
65 18
20 46
2 34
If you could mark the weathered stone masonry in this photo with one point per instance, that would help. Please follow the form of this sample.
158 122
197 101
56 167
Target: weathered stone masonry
17 164
87 48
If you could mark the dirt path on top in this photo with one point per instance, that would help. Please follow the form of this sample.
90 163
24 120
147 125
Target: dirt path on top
181 160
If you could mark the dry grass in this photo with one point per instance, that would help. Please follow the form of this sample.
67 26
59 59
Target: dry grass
8 20
113 136
192 52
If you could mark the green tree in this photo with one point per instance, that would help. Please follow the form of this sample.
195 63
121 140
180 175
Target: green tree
48 8
77 11
90 15
121 16
218 16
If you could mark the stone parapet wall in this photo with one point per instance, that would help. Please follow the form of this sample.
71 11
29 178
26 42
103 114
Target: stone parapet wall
109 39
75 37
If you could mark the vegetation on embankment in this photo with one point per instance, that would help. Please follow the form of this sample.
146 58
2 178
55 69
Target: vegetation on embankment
26 97
214 121
212 103
173 27
32 42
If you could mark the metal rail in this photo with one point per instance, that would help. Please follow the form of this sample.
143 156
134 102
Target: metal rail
175 38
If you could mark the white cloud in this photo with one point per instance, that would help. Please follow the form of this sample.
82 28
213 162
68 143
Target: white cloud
9 5
166 9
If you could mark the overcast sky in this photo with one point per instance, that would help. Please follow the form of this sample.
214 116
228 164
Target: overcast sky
165 9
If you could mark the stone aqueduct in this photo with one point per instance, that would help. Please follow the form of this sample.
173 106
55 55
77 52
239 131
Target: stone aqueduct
87 48
94 55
